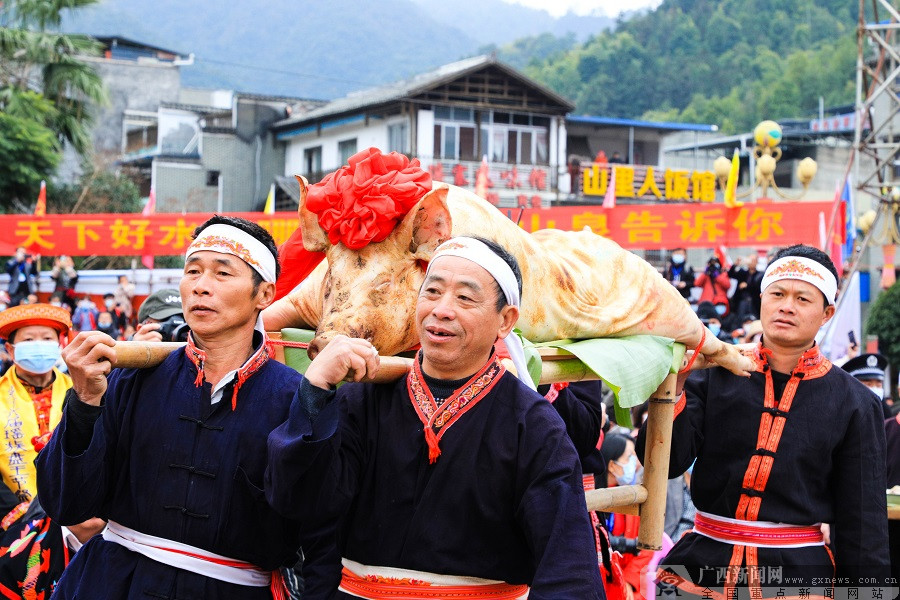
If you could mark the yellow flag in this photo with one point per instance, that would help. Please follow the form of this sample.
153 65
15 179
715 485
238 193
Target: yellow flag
270 201
731 200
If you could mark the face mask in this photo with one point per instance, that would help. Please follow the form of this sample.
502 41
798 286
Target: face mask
761 265
2 307
720 309
629 474
110 303
878 391
714 328
37 357
677 259
109 330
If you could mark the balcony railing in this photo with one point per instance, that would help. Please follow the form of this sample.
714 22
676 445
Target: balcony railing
507 184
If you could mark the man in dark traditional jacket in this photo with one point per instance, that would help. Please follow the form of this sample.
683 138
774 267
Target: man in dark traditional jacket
458 480
174 456
798 444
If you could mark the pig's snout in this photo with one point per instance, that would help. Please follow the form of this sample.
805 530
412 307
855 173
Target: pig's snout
318 344
323 338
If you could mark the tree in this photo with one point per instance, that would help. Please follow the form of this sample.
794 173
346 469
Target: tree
746 60
884 321
98 190
44 84
28 151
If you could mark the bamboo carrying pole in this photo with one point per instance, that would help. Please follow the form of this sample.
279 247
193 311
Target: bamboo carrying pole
647 500
558 365
625 498
656 464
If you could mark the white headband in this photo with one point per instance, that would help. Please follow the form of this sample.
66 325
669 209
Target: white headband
804 269
480 254
231 240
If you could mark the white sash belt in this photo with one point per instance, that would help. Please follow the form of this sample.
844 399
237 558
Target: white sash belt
757 533
189 558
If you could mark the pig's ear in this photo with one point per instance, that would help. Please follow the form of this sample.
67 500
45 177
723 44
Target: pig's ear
314 238
428 224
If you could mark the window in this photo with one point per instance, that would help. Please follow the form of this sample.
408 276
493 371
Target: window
541 155
312 160
464 114
525 148
346 149
437 141
498 148
212 178
457 142
449 141
512 146
453 113
398 138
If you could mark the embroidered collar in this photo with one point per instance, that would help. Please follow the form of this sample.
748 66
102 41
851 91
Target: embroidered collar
438 419
253 364
811 364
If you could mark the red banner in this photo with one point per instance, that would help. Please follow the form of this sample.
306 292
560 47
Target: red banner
646 226
160 234
654 226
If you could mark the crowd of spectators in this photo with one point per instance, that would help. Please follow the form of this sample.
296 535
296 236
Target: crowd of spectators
116 316
725 297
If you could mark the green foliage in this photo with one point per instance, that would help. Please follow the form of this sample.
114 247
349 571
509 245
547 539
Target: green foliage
532 50
28 151
884 321
44 88
97 191
728 62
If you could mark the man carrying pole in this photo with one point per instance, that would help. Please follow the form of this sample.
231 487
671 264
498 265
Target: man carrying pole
174 456
457 480
799 444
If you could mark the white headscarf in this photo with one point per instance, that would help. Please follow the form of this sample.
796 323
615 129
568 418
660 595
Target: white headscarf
228 239
804 269
480 254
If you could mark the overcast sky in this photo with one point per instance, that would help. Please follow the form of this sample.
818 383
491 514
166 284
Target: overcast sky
610 8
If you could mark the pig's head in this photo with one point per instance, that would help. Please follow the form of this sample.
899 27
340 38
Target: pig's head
371 292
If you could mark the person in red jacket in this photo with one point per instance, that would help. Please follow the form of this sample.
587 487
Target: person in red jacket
714 283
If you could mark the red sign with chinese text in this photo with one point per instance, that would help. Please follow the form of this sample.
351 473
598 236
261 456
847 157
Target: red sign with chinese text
644 226
655 226
122 234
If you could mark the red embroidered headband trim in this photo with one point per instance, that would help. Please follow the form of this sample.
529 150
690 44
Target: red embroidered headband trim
236 248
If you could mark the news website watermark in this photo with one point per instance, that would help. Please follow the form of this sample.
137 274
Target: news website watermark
771 582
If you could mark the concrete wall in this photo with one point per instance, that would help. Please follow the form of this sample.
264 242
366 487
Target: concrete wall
181 187
247 171
373 135
130 85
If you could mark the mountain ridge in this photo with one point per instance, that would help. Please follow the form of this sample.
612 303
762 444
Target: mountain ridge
305 49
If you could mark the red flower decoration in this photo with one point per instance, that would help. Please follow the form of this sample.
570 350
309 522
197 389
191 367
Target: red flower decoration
362 202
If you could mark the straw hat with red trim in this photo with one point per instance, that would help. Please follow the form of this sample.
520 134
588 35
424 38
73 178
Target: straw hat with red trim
24 315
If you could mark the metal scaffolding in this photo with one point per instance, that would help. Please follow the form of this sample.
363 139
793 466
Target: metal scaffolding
877 135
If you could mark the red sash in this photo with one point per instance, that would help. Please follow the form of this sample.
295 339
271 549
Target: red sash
411 588
754 533
438 419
